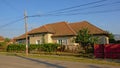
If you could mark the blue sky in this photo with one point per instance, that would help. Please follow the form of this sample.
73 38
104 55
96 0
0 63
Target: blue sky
107 17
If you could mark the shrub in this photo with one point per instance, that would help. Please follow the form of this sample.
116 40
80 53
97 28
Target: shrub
3 46
33 47
49 47
90 50
16 47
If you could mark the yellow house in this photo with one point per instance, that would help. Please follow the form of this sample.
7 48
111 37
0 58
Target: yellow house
64 33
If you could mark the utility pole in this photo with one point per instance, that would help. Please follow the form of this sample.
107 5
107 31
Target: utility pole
26 31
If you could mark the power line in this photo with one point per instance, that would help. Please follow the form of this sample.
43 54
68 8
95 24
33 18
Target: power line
66 14
13 8
86 13
96 6
77 13
69 8
73 7
10 23
10 5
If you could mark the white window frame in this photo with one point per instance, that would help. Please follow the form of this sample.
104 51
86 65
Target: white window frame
62 41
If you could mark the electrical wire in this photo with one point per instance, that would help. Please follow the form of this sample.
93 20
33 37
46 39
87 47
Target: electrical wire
77 13
86 13
10 5
10 23
13 8
73 7
69 12
69 8
86 8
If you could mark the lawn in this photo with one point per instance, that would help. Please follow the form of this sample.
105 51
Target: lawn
67 58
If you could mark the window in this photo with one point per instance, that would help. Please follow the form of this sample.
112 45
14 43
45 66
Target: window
62 42
59 42
38 42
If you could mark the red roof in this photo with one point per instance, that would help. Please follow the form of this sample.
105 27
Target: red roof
58 29
2 38
84 24
65 29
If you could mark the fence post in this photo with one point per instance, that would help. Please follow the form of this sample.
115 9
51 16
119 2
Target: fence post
104 55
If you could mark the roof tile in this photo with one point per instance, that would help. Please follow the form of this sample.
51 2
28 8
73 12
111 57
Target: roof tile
65 28
84 24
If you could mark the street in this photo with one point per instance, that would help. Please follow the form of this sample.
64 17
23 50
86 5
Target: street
23 62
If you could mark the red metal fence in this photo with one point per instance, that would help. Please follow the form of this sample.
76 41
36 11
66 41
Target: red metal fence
107 51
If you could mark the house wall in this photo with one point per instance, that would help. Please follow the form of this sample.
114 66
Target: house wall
34 38
46 38
66 40
103 39
1 40
21 41
49 39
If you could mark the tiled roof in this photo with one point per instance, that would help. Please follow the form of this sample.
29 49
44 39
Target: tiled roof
38 30
65 29
23 36
58 29
84 24
1 38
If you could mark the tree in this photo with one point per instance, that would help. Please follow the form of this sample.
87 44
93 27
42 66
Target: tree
111 37
84 38
93 41
7 40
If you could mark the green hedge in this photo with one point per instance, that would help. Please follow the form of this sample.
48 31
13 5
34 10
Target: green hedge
49 47
3 46
33 47
16 47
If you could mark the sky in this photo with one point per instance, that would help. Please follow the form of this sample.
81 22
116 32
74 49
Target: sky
104 14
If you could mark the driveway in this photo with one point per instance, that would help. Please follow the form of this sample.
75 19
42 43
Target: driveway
23 62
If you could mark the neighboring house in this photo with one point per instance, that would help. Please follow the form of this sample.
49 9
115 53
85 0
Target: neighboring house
2 39
63 33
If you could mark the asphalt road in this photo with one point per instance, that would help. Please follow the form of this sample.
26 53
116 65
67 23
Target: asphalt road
23 62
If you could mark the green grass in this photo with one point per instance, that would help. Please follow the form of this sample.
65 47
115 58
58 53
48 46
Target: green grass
66 58
74 59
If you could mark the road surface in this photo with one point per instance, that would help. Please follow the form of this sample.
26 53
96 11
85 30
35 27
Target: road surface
23 62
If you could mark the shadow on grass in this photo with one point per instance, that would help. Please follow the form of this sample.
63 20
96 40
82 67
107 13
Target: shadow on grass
91 56
110 60
42 62
93 66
